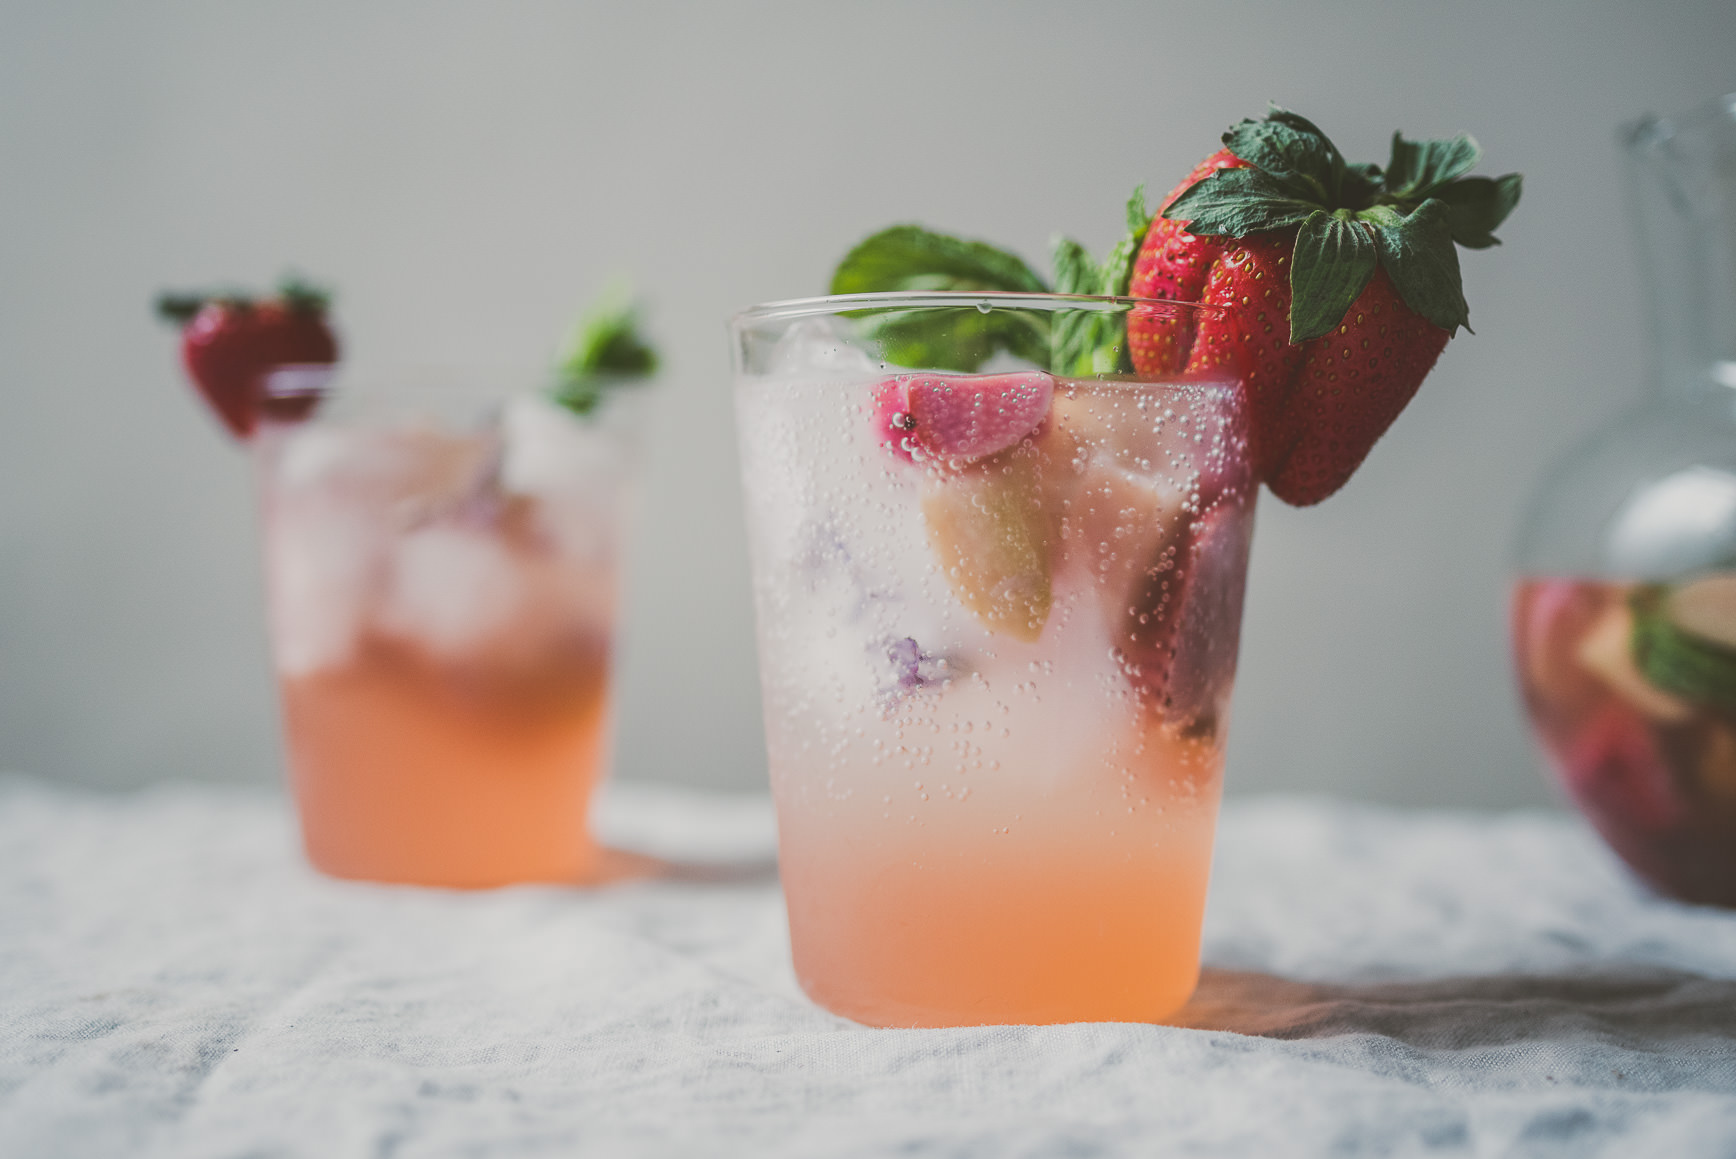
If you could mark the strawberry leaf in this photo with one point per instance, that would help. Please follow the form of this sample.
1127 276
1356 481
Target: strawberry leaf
1334 258
1362 184
1418 168
1417 252
1290 149
1237 202
1477 205
909 257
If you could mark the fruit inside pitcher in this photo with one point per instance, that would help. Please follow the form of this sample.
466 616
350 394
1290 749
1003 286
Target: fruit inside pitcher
1631 690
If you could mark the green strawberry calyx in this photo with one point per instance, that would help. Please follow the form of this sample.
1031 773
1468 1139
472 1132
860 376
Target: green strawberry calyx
604 350
1351 219
293 291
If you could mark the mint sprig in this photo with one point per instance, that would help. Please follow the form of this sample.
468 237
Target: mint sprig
1679 662
604 350
1409 216
1073 342
1094 342
910 257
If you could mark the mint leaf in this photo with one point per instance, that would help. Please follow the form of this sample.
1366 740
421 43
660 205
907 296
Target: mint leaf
1091 342
1334 258
909 257
1417 252
1300 159
1237 202
1076 270
1676 662
1418 168
603 350
957 338
1477 205
1118 266
1075 335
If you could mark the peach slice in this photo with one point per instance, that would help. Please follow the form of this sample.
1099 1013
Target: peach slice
990 535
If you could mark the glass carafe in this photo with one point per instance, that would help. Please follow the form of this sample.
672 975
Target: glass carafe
1624 609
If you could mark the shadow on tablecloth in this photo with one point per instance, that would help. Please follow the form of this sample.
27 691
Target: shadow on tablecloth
1636 1008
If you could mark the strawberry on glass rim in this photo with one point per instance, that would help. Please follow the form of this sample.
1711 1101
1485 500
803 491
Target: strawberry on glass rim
1340 281
1334 287
254 358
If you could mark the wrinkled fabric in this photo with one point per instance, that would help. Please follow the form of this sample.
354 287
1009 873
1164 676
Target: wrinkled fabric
174 981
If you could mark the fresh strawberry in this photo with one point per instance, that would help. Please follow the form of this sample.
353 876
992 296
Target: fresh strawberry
1173 264
1337 301
253 359
962 416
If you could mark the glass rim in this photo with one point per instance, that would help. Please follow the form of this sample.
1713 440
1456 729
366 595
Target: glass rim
953 299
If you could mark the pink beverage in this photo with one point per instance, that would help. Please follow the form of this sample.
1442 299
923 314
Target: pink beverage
1610 673
443 599
998 619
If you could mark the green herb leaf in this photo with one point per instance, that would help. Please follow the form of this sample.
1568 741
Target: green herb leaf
1076 270
1418 168
1074 334
1092 342
1237 202
909 257
1675 661
1477 205
1335 257
958 338
1417 252
1362 184
603 350
1118 266
300 294
1298 158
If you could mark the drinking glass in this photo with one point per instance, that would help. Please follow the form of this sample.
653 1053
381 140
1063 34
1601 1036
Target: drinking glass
998 612
442 567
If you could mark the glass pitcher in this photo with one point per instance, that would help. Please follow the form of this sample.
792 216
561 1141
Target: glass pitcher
1624 609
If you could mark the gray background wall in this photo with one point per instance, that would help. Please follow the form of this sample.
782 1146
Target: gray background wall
468 174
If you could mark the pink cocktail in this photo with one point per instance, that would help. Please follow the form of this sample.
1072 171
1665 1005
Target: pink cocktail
442 600
998 618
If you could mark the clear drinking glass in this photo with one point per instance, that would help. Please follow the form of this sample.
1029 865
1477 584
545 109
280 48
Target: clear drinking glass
442 569
997 616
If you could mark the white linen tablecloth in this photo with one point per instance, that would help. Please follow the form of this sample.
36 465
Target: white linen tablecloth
174 981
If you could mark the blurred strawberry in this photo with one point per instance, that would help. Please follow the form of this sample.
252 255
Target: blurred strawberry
1339 297
256 358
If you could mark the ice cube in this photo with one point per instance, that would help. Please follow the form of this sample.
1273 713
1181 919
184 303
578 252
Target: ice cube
323 563
818 348
452 589
377 464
